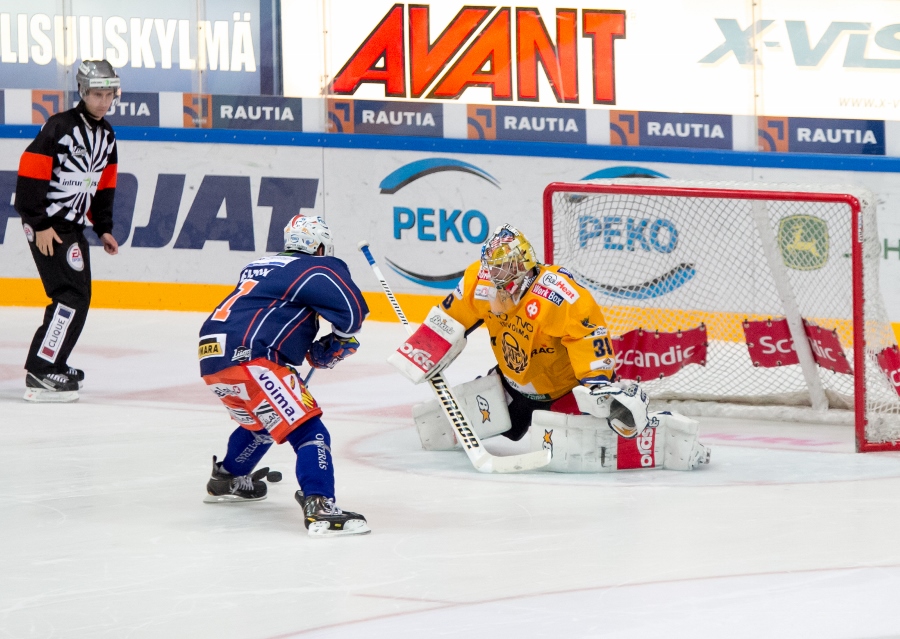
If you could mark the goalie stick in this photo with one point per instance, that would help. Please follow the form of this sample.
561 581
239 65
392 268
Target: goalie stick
482 460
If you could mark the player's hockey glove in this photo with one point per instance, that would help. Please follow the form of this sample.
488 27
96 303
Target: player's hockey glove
327 351
622 404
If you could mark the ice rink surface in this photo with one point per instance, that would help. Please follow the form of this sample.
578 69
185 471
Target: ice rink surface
104 533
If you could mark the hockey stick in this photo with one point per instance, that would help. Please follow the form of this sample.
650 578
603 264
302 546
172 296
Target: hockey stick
482 460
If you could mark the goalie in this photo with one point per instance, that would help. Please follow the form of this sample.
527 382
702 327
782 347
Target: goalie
555 369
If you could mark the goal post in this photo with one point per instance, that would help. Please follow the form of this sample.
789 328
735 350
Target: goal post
738 299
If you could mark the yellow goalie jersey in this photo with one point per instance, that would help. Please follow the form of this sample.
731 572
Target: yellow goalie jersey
554 338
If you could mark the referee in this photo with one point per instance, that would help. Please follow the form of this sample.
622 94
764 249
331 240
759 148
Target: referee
68 173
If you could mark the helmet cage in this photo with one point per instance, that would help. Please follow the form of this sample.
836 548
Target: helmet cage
508 257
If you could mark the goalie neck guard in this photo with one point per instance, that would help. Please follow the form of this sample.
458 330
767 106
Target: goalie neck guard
306 234
509 258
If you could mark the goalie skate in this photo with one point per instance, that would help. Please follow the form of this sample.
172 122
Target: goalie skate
324 519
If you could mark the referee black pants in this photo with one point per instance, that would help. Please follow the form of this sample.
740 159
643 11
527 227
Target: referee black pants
66 276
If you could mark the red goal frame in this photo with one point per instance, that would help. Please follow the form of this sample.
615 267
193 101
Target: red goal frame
859 403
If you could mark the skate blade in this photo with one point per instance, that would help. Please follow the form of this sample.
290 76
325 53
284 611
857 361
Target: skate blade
229 499
352 527
43 396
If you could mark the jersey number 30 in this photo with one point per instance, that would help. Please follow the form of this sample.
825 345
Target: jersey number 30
602 347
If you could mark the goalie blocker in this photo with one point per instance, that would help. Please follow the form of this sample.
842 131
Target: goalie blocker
578 443
431 348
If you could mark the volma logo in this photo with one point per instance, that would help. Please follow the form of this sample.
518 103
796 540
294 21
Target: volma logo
434 223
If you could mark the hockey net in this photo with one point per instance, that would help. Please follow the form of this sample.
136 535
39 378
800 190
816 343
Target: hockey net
745 300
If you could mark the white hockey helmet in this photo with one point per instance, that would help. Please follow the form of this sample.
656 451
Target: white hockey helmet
98 74
306 234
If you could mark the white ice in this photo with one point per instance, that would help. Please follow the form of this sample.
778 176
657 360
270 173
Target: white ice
104 533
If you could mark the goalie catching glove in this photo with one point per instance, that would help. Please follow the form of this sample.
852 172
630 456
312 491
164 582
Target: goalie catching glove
431 348
327 351
622 404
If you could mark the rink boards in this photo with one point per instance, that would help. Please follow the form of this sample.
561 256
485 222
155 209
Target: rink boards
190 215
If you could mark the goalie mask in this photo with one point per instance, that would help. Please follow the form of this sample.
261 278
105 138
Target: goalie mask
98 74
509 258
306 234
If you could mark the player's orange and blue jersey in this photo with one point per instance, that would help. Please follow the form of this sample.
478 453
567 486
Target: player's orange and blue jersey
554 339
274 311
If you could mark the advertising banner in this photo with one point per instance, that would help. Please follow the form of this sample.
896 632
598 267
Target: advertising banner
688 130
810 135
265 113
386 118
794 58
165 45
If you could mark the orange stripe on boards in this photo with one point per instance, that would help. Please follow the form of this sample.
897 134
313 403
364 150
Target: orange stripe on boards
36 166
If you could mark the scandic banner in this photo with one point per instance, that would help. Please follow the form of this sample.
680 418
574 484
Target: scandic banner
643 355
829 60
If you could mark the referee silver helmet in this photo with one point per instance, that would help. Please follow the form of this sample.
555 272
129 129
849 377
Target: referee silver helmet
98 74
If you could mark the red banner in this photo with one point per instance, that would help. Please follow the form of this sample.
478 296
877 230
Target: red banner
644 354
826 348
770 343
889 360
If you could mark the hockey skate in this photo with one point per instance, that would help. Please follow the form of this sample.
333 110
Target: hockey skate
225 487
324 519
77 374
50 387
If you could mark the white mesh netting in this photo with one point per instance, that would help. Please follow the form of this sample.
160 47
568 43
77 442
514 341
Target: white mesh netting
670 263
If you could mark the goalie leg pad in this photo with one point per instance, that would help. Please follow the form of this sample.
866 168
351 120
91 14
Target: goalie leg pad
578 443
483 401
682 451
585 444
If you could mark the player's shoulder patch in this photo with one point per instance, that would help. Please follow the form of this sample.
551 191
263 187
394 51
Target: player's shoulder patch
547 293
600 331
560 284
483 292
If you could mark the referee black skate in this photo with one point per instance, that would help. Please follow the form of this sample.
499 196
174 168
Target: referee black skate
67 176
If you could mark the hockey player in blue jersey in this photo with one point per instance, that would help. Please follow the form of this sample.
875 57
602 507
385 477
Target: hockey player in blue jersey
249 348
